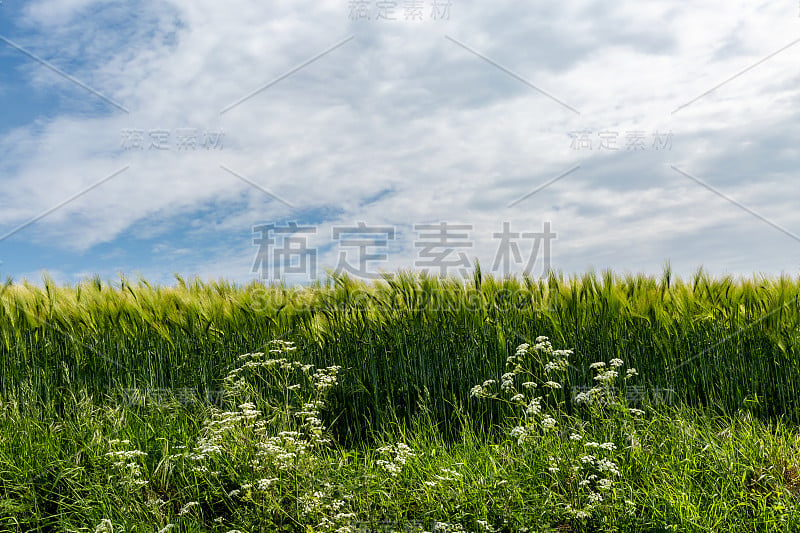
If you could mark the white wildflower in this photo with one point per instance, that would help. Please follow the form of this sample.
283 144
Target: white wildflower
607 376
605 465
519 433
105 526
185 508
263 484
583 397
605 484
548 422
534 407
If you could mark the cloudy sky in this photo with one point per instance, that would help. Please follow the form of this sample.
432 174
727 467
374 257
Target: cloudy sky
238 140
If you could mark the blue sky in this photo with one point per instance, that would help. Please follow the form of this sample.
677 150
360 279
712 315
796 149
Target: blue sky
151 138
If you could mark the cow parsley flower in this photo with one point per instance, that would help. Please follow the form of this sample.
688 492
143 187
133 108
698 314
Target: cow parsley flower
607 376
534 407
185 508
519 433
595 497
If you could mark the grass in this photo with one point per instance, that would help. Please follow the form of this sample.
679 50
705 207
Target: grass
717 343
268 463
292 446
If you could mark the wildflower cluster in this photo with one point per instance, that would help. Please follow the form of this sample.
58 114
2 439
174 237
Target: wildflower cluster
397 455
219 435
586 476
590 474
270 448
602 394
296 429
127 464
522 364
242 378
322 504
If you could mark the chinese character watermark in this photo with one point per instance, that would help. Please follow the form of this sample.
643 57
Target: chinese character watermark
610 141
443 240
359 238
390 526
161 397
393 10
286 253
180 139
441 249
508 249
635 394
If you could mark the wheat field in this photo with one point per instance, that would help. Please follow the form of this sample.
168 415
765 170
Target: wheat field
723 343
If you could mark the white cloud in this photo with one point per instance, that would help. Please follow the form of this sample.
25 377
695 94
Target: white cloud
403 109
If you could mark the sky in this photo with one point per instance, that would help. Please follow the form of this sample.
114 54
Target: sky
287 140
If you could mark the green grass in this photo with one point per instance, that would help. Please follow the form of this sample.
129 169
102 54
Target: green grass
267 463
77 455
719 343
